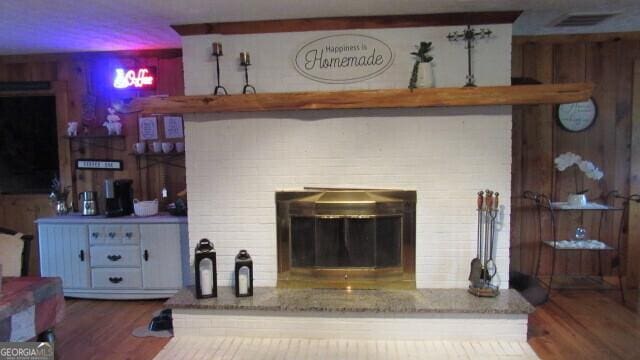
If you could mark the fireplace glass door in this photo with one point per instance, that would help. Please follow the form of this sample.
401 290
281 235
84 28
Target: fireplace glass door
344 241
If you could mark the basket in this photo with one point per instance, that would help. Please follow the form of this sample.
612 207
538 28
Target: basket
145 208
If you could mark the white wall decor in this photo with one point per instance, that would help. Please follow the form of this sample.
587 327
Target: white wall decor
343 58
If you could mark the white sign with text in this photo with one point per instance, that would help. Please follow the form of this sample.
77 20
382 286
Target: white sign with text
343 59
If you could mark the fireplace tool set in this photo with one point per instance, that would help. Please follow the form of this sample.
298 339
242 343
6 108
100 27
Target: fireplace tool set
483 275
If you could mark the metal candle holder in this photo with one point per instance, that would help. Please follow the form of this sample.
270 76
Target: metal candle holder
469 35
217 52
245 61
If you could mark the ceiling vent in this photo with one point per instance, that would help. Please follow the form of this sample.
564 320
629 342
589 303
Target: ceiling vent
582 19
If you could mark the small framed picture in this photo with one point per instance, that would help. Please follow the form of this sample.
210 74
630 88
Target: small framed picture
173 127
148 128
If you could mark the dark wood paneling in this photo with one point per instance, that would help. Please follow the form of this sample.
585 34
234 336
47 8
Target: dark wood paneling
76 78
608 63
347 23
634 211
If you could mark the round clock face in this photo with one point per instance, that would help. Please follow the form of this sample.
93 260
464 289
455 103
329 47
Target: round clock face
577 116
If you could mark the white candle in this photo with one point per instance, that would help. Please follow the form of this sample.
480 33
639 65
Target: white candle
217 49
245 58
243 281
206 277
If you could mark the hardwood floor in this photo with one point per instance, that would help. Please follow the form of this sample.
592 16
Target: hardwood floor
572 325
585 325
96 329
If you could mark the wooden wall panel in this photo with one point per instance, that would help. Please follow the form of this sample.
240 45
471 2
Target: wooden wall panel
608 62
78 80
634 210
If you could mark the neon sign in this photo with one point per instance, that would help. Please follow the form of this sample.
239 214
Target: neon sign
142 78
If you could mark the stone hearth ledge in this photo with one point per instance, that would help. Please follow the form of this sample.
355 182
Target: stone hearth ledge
422 301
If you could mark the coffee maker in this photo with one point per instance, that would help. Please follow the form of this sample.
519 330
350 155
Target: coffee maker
119 197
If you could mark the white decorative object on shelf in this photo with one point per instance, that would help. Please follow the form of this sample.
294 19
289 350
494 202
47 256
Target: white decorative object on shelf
425 75
577 200
586 206
145 208
579 244
569 159
72 128
113 125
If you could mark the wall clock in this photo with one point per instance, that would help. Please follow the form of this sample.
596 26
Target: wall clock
577 116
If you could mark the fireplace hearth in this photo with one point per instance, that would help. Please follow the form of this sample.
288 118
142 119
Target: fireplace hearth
346 238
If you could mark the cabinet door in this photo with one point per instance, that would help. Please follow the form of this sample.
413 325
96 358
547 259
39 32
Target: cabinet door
64 252
160 250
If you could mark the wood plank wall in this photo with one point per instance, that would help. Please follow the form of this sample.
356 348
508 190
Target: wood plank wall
78 78
537 140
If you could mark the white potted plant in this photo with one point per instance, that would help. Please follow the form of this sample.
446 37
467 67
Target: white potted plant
422 73
569 159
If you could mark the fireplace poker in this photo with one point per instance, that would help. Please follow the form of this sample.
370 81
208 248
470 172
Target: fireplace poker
475 274
493 212
488 204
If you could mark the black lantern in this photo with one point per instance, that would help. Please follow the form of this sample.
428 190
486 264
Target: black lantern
205 266
244 274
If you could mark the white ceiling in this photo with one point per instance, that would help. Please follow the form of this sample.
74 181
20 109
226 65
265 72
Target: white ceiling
45 26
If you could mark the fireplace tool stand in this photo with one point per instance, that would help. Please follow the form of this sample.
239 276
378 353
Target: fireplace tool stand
483 276
469 35
218 87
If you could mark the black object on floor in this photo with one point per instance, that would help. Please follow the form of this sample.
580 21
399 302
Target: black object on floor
528 287
162 322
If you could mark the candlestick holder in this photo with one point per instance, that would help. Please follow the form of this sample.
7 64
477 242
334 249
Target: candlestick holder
469 35
217 52
218 88
246 62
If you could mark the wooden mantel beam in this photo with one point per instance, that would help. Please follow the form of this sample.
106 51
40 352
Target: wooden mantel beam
367 99
348 23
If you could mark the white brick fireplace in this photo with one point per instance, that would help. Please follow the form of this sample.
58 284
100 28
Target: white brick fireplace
236 162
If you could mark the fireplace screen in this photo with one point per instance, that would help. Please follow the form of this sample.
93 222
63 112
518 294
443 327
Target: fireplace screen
346 238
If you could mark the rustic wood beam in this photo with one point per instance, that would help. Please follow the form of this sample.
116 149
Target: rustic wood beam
367 99
348 23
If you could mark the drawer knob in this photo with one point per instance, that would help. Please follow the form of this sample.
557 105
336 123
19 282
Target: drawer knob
95 235
129 235
112 235
115 280
114 257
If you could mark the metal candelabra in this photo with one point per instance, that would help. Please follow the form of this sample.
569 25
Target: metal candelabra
218 87
469 35
246 80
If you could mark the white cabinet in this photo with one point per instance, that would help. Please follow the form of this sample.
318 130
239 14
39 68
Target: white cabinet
160 270
114 258
64 252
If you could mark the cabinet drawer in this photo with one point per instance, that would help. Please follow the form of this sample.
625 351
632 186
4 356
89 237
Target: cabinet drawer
125 234
116 278
115 256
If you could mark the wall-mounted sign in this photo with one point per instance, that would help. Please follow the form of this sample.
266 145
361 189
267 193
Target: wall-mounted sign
173 128
148 127
343 59
139 78
97 164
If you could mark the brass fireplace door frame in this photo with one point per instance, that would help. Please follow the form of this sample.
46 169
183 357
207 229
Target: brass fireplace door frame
349 204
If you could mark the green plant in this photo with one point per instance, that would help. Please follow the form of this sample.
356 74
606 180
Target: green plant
421 56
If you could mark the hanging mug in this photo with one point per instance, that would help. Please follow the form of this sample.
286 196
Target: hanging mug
167 147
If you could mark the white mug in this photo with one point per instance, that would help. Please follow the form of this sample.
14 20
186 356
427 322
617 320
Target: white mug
139 147
180 147
167 147
156 147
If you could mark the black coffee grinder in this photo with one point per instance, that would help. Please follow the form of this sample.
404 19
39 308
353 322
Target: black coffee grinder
119 197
